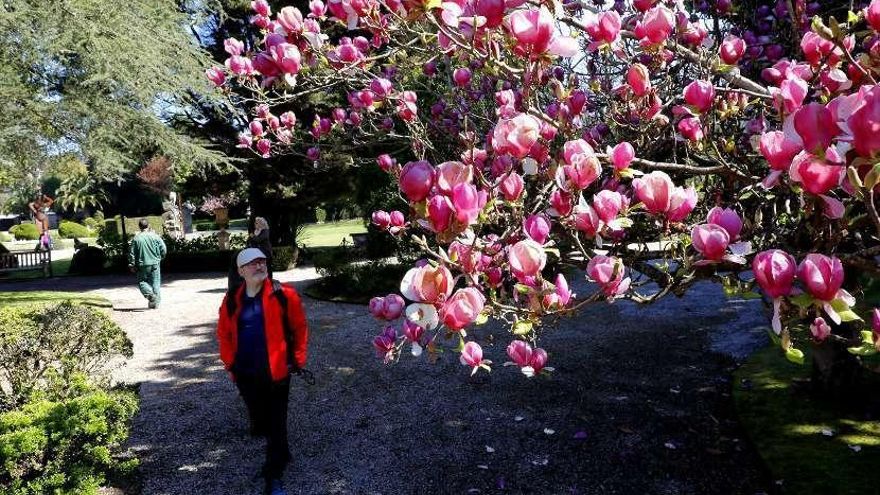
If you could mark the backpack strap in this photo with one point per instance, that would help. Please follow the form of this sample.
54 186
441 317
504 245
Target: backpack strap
278 291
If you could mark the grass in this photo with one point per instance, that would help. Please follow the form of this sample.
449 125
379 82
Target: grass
331 233
786 425
59 269
46 297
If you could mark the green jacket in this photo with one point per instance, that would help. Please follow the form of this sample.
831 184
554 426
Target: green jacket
147 248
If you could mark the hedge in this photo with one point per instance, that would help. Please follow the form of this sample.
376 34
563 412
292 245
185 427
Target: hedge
25 232
69 230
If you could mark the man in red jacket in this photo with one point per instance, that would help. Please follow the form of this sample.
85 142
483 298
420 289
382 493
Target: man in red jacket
263 339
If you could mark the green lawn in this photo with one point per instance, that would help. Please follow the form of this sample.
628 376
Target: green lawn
786 425
31 297
331 233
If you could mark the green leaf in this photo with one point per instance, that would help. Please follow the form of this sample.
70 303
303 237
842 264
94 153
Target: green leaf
773 337
522 288
750 295
795 355
460 347
522 327
867 337
802 300
852 17
482 318
432 4
864 350
849 315
873 177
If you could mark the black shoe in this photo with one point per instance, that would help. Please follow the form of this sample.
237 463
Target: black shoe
274 487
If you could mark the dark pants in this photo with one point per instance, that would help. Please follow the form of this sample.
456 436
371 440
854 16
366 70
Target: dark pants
266 403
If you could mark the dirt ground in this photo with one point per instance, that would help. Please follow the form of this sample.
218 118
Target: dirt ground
639 402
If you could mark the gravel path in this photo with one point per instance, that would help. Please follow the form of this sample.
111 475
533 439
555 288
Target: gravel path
639 402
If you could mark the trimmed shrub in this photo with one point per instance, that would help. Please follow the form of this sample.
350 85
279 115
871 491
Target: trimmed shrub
91 223
358 282
25 232
66 446
205 225
44 348
99 217
320 215
283 258
88 261
69 230
5 237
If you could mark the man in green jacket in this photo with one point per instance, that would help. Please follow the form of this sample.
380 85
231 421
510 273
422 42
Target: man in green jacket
147 250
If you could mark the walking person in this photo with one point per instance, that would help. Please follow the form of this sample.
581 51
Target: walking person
263 339
146 252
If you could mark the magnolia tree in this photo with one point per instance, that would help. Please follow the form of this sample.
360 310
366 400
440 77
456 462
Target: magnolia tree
625 140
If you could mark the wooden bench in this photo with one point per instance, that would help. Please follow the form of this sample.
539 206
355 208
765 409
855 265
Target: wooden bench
16 261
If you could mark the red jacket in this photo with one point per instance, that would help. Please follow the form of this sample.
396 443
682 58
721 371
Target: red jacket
227 329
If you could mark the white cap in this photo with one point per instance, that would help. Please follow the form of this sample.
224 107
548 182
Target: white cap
247 255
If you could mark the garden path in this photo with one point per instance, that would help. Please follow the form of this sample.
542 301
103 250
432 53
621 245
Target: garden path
638 403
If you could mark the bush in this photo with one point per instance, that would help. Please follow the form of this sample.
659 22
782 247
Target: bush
44 348
99 217
203 243
203 261
67 446
25 232
88 261
5 237
320 215
205 225
284 258
330 261
91 223
69 230
358 282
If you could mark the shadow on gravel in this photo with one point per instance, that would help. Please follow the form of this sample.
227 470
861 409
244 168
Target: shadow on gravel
636 406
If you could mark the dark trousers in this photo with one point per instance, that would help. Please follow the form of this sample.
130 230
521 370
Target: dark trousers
266 403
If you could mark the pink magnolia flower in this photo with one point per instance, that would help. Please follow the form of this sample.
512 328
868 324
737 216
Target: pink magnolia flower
512 186
816 126
639 79
397 218
622 155
264 147
820 329
313 153
533 30
216 76
440 211
872 14
239 65
821 275
875 325
700 95
538 361
691 128
520 353
385 162
384 343
461 76
537 227
428 284
492 10
791 93
290 19
864 121
381 219
817 175
605 27
468 203
462 308
583 169
587 220
317 8
778 149
381 87
233 47
561 294
472 355
710 240
286 58
416 180
527 258
774 271
516 135
657 24
728 219
607 271
732 49
654 190
681 203
413 332
406 107
451 174
560 200
261 7
607 204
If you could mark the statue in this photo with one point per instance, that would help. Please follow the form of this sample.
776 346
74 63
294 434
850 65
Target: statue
171 219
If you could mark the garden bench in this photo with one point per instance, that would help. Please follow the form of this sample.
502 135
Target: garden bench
16 261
